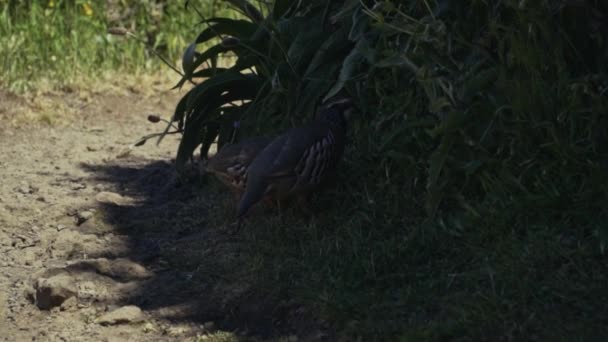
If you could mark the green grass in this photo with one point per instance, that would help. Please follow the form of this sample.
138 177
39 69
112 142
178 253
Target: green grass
365 273
66 41
375 277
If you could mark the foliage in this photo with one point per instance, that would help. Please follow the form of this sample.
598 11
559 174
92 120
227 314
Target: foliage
475 185
66 40
284 63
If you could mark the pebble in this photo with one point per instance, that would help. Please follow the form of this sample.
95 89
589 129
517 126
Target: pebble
125 314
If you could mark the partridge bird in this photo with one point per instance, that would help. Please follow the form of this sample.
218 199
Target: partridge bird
231 162
296 162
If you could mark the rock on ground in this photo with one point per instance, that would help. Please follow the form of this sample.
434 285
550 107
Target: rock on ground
126 314
53 291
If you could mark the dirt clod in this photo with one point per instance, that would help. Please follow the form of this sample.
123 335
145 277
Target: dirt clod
121 268
107 197
123 315
83 216
53 291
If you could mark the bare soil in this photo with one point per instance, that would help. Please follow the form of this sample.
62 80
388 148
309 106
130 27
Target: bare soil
107 232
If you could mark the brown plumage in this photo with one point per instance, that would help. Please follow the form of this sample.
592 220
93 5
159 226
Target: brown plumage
231 162
295 163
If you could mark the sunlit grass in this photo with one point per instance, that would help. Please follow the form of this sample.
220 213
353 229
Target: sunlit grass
63 42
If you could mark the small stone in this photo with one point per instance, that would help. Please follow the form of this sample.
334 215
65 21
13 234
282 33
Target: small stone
92 149
61 227
70 304
78 186
149 327
126 314
54 291
83 216
107 197
23 189
175 331
40 199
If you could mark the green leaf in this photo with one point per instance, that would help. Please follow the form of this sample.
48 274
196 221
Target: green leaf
480 81
209 72
211 53
315 87
281 7
220 83
439 104
434 184
188 61
360 25
305 44
332 50
281 77
191 138
349 67
241 29
347 9
395 60
248 9
207 113
203 105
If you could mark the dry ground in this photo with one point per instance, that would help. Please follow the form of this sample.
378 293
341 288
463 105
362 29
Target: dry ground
78 222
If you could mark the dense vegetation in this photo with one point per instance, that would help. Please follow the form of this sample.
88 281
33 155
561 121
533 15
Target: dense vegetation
472 200
473 194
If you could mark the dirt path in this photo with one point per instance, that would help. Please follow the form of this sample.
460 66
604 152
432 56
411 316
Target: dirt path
52 233
99 248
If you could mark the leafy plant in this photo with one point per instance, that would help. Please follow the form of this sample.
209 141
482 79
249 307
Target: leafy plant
475 183
284 63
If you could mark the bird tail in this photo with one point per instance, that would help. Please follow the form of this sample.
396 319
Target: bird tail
253 194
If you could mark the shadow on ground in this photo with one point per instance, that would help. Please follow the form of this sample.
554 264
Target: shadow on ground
202 270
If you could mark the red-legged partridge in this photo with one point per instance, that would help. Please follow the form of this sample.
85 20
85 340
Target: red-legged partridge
295 163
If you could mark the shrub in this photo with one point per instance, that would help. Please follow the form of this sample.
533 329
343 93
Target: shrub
479 153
